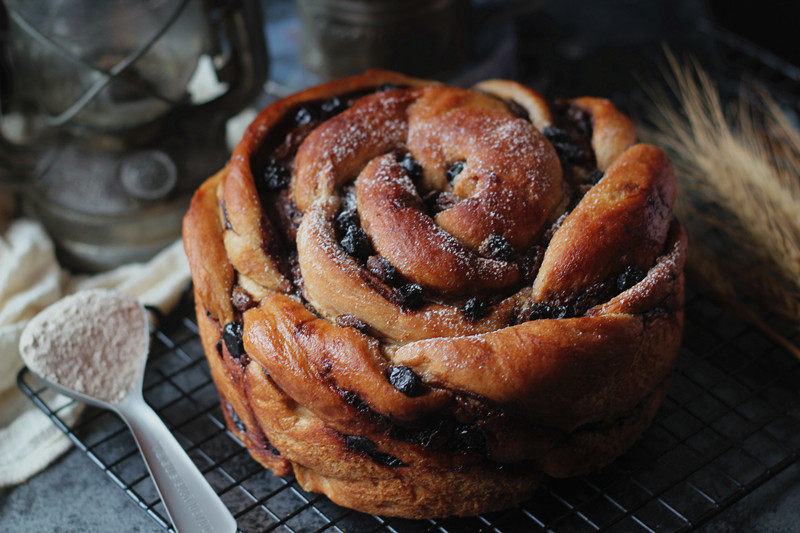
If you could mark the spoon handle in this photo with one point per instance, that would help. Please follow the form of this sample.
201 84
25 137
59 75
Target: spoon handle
191 503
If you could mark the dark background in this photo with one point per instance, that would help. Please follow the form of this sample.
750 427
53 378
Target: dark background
609 47
604 47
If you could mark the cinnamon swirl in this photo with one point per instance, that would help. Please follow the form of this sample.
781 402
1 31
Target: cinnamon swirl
420 299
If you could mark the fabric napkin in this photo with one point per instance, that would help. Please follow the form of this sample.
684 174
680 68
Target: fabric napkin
30 280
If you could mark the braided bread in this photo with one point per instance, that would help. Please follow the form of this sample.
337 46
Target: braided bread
420 299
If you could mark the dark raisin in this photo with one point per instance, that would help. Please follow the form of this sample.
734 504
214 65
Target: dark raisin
359 444
581 119
386 459
333 106
345 220
356 243
467 439
305 115
475 309
567 150
594 176
354 400
561 311
219 347
517 110
383 270
388 87
410 165
629 277
432 437
366 447
454 170
410 295
237 422
570 153
406 381
556 135
539 310
275 176
545 310
531 262
591 296
232 336
497 247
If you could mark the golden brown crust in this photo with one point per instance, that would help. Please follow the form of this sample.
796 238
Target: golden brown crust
612 132
212 272
459 401
544 387
534 103
622 220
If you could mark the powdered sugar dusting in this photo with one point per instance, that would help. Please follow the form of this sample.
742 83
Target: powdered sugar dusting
509 183
94 342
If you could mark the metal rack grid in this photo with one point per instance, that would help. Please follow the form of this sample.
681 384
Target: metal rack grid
730 422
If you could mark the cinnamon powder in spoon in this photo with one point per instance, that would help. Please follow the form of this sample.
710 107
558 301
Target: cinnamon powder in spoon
94 342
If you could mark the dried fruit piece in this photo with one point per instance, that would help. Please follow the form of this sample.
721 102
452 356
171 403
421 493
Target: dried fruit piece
410 165
276 175
334 106
475 309
630 277
406 381
467 439
356 243
232 336
570 153
305 115
496 246
545 310
411 295
556 135
383 270
345 219
366 447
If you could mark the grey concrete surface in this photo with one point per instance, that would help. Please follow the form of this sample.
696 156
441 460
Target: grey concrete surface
71 495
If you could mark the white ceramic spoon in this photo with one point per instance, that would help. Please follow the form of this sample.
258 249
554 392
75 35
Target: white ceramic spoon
59 345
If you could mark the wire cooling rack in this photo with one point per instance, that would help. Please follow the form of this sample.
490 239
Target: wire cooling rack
729 423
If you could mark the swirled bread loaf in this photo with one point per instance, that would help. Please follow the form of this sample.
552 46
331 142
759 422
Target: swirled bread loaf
420 299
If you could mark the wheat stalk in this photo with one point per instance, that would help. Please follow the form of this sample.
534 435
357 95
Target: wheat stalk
739 190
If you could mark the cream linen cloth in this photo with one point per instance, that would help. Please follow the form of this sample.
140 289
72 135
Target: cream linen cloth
30 280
